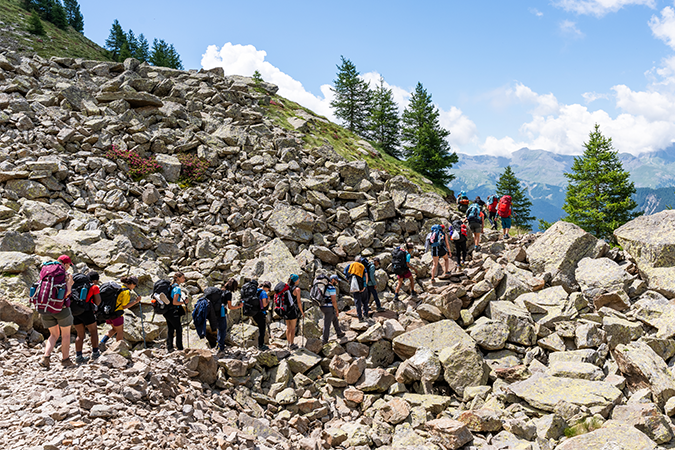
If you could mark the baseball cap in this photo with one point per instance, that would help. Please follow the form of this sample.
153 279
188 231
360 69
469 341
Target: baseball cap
266 284
294 278
65 259
334 277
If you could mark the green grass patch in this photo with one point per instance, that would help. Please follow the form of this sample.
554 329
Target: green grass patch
345 143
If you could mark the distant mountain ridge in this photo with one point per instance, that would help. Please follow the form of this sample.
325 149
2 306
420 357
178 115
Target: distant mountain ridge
543 173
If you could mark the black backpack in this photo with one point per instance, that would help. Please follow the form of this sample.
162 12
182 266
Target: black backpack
78 294
107 309
161 287
399 263
318 291
250 299
282 300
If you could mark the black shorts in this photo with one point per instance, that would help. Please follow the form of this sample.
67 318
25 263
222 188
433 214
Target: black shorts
86 318
439 251
292 314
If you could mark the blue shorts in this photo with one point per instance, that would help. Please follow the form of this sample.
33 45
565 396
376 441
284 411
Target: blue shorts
506 222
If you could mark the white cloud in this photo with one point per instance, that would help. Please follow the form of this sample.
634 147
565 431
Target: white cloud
536 12
401 96
462 129
238 59
664 27
599 8
569 28
590 97
501 147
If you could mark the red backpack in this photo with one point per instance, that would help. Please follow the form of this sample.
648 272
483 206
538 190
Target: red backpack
493 201
283 303
504 208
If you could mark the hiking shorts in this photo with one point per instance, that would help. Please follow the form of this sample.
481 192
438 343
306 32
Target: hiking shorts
62 318
506 222
476 227
439 251
292 314
86 318
116 322
407 274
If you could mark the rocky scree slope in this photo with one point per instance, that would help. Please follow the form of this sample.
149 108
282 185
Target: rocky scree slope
547 341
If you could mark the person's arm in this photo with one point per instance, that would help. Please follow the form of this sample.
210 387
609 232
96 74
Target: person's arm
69 285
97 299
333 299
229 303
298 300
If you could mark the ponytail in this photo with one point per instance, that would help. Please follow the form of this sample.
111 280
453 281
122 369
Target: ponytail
231 285
176 276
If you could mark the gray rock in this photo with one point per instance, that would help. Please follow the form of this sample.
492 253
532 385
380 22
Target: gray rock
517 319
16 262
171 167
292 223
614 435
42 215
642 367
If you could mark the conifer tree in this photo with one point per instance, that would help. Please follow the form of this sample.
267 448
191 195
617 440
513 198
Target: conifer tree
257 77
424 138
132 45
599 193
143 49
385 123
125 52
352 98
115 41
164 55
35 24
521 205
58 15
74 15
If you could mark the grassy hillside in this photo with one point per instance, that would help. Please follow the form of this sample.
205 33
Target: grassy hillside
345 143
14 36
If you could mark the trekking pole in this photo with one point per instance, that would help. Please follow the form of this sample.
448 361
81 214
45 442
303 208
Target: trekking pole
140 307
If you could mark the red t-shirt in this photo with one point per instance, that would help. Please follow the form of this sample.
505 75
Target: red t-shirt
92 291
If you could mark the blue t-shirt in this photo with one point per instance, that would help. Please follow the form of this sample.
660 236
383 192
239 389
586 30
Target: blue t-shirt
407 257
175 289
262 295
330 291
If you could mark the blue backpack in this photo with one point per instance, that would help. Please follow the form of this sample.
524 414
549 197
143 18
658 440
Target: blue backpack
436 238
199 316
473 213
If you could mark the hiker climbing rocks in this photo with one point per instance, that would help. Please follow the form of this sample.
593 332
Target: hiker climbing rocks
492 202
176 310
504 211
458 233
220 310
357 276
330 310
475 217
114 300
437 242
86 286
291 317
371 283
50 297
463 202
402 268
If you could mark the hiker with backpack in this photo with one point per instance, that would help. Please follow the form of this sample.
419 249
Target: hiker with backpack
402 268
371 267
50 297
358 278
458 232
176 309
492 202
474 216
437 242
220 311
114 300
291 317
329 308
463 202
254 301
504 211
85 291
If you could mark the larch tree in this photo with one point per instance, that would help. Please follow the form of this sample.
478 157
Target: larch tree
424 139
599 192
352 98
521 205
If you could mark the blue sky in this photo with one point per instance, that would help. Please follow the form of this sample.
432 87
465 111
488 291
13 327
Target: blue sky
504 74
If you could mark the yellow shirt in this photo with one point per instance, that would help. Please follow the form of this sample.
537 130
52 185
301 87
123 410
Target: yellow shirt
123 299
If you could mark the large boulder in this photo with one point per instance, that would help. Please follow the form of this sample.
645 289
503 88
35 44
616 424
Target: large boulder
292 223
429 204
463 366
170 165
516 318
435 337
16 262
274 262
559 250
601 276
651 241
42 215
16 313
613 435
131 230
544 392
643 368
27 189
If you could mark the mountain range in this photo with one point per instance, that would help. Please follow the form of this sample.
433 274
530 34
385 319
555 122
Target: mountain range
542 172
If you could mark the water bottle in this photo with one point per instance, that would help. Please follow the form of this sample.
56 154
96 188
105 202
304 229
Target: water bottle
60 293
33 290
222 310
83 293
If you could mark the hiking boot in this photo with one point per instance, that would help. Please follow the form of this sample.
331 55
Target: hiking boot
294 346
396 296
67 363
95 355
44 362
413 293
381 309
262 348
80 359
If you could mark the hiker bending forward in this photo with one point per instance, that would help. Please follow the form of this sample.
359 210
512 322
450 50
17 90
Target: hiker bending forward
330 310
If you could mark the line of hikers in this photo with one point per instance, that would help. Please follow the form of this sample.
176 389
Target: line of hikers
497 207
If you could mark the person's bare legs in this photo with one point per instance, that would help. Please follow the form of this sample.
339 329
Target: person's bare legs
65 342
79 340
290 330
93 332
434 268
117 331
54 333
446 260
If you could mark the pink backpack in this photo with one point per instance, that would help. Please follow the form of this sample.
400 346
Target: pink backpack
48 295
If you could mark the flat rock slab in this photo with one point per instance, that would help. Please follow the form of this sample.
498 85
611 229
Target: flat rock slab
613 435
435 336
544 392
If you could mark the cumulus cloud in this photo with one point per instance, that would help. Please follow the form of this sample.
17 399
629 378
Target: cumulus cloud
664 27
569 28
590 97
238 59
599 8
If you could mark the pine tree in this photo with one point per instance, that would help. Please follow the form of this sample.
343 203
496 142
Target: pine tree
521 205
425 143
58 15
257 78
44 8
352 98
74 15
35 24
125 52
132 46
164 55
115 41
599 193
143 49
385 123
